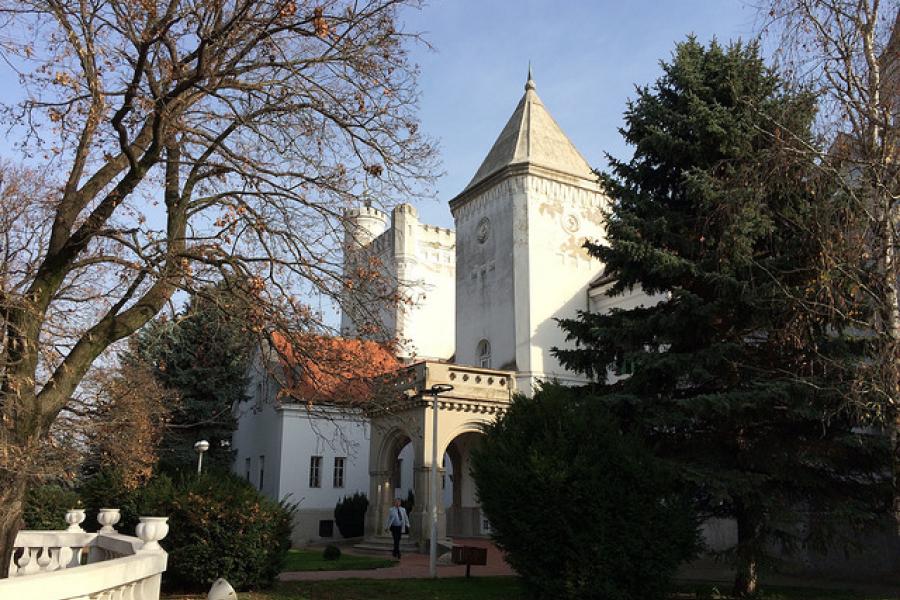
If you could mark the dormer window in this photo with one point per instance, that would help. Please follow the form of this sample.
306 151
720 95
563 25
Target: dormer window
484 354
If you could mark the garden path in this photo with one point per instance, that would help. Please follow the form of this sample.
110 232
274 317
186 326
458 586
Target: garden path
414 566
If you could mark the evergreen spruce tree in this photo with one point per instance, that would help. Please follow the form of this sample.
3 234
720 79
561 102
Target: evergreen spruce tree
729 381
203 355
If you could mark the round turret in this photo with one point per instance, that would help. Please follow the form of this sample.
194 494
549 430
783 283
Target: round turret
363 224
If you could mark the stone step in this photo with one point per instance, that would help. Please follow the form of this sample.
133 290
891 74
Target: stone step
385 545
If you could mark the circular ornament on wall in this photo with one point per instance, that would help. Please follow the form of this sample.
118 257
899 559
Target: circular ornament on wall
571 223
483 230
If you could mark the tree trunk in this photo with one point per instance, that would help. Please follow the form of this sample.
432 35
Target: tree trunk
895 448
12 504
746 578
892 358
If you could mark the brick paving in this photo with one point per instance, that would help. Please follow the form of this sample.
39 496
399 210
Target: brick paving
413 566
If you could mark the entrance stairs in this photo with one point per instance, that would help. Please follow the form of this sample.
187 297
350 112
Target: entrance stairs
384 544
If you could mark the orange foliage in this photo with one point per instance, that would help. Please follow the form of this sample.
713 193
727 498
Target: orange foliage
332 370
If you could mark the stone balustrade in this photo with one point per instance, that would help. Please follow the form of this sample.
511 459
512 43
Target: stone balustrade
76 565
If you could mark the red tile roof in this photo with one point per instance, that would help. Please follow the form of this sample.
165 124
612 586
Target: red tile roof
332 370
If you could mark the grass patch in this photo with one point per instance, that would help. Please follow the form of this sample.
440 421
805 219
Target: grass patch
721 591
311 560
495 588
486 588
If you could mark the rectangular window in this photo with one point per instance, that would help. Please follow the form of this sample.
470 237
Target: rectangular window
339 462
326 528
247 468
315 471
262 470
624 366
485 525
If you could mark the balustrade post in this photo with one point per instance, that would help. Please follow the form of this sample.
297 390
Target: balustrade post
75 517
108 517
151 530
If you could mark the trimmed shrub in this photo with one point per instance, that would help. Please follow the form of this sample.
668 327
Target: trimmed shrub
46 506
106 489
221 526
350 515
331 552
582 510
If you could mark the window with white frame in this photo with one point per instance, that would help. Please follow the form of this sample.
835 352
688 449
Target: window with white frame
315 471
339 465
484 354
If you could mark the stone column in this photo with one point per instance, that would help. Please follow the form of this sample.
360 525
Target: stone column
420 520
380 496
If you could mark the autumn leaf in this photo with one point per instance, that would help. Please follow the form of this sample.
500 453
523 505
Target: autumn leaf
319 23
288 9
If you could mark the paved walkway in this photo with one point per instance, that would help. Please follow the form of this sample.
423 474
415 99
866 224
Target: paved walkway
413 566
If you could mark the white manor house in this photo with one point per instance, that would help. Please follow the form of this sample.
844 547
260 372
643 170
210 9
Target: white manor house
485 299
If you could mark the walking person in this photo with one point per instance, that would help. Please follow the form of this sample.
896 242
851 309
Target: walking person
397 523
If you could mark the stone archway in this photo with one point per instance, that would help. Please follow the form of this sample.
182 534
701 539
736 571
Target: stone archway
386 442
464 517
477 398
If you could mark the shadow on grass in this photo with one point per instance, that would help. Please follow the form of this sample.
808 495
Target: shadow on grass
498 588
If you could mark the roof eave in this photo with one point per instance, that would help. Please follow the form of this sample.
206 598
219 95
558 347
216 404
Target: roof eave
522 168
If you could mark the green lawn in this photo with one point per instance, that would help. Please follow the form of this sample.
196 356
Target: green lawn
491 588
707 591
311 560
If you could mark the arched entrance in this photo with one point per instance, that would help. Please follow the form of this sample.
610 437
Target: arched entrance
477 397
389 446
464 517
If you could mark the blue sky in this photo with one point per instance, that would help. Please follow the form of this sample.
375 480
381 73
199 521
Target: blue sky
587 56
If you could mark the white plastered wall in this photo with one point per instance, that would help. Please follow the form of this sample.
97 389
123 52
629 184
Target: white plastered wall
486 276
562 214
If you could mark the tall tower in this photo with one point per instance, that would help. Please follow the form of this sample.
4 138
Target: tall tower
520 226
361 226
411 299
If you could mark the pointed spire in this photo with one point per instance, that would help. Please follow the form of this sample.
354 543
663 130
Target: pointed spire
532 136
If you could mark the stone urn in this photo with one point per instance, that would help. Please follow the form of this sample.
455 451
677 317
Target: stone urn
151 530
108 517
75 517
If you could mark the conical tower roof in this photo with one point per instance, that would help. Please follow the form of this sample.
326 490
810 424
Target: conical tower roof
532 136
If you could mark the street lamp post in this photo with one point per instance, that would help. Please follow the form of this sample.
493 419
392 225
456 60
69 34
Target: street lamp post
432 558
201 447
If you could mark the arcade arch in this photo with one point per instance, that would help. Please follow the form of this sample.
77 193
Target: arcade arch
478 396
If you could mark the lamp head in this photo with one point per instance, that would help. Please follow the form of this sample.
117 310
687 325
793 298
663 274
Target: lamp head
201 446
440 388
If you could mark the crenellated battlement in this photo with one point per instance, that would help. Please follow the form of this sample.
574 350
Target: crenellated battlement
365 211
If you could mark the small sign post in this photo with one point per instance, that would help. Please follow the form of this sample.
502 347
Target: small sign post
469 555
